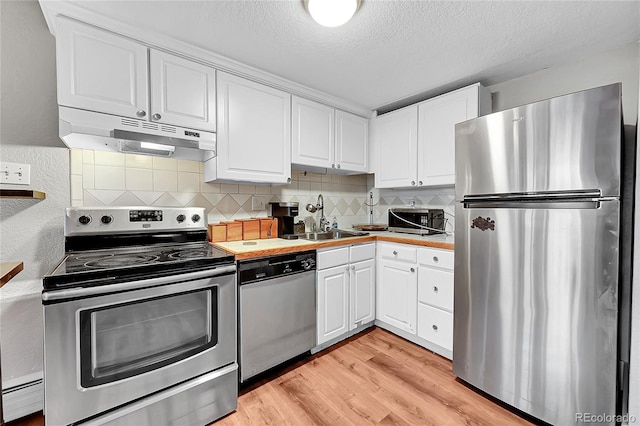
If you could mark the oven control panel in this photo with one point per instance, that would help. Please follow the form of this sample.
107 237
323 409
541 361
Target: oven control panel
115 220
146 216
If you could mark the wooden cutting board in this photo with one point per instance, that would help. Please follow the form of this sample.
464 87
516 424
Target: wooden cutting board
372 227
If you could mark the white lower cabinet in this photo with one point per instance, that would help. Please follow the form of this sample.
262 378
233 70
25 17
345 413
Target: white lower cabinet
415 295
345 291
333 302
396 295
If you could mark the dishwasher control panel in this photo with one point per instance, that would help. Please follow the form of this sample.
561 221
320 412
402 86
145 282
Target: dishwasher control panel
264 268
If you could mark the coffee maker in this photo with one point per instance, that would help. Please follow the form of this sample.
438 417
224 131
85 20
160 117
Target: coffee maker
285 212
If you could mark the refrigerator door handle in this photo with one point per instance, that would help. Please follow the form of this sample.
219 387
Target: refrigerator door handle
587 194
533 205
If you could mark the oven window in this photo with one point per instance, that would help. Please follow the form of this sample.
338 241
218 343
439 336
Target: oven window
124 340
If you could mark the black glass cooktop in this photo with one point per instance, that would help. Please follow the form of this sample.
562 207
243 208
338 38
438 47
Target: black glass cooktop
100 267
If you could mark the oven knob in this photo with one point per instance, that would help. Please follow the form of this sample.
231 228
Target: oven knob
84 220
181 218
106 219
195 217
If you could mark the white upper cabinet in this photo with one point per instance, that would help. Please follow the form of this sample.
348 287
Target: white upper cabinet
415 146
103 72
312 138
328 138
396 139
183 93
254 133
437 119
352 141
100 71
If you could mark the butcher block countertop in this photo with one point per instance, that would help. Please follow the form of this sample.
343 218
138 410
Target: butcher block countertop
9 270
269 247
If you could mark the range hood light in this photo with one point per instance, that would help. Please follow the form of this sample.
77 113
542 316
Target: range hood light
157 146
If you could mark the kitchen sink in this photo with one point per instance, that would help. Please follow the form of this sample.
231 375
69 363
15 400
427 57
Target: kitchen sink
334 234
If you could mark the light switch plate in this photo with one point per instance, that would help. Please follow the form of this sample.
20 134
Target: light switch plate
258 202
15 173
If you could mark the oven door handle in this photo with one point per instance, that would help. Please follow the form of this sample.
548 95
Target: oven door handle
134 285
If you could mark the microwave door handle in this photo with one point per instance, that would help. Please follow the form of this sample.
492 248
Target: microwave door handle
134 285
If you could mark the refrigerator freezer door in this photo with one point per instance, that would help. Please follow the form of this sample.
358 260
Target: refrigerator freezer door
535 304
566 143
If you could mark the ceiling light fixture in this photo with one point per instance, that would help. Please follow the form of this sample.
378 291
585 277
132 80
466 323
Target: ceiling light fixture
332 13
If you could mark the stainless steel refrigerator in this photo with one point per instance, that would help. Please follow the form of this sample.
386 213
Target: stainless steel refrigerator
537 257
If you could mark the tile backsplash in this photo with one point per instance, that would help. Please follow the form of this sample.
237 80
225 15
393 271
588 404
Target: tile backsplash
100 178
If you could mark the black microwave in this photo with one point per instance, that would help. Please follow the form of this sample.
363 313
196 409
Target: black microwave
417 221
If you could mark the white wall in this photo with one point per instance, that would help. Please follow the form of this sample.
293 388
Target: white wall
618 65
30 231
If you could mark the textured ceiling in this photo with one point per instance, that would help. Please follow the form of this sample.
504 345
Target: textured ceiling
391 49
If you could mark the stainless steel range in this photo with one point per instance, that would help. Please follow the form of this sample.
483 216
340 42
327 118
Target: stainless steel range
140 320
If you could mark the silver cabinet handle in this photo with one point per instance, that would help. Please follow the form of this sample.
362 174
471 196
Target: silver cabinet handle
156 116
412 269
435 327
353 268
141 113
289 180
395 253
435 259
435 289
338 166
419 182
333 166
347 268
413 182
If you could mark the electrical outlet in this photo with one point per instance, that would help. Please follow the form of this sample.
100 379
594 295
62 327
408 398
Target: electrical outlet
258 202
15 173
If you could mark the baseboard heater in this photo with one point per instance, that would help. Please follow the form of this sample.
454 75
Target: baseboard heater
22 400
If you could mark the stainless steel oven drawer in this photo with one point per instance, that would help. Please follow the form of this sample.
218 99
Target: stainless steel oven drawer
196 402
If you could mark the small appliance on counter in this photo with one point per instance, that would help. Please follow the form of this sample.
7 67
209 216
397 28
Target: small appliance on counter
285 212
417 221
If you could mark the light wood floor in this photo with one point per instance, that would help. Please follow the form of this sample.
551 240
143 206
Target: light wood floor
374 378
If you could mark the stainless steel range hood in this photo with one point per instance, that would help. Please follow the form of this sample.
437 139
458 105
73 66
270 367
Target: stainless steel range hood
103 132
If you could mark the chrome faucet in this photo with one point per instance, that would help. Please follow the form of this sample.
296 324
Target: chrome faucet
324 222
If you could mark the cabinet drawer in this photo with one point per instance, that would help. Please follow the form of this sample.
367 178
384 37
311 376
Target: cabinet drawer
398 252
435 288
435 325
334 257
362 252
436 257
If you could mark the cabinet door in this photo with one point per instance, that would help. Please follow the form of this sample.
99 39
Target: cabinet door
312 139
396 139
397 295
333 302
100 71
362 297
254 131
352 138
436 130
183 93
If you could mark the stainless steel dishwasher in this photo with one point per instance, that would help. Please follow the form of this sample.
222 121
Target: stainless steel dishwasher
277 312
